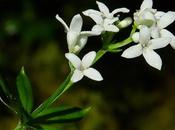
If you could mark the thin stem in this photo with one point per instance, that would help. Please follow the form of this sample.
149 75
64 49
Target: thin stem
100 53
120 44
59 91
124 42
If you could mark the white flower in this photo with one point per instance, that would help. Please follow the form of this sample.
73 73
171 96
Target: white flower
82 67
103 25
104 18
146 48
156 20
164 20
145 16
76 38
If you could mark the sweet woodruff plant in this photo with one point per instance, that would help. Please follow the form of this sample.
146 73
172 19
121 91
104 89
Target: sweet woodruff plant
148 34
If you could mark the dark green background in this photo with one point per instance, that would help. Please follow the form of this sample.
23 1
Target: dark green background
133 96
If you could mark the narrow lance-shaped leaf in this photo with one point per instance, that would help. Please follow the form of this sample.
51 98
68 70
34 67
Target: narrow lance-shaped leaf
24 91
56 111
62 116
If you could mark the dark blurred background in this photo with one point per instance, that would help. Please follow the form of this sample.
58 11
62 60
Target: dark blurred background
133 96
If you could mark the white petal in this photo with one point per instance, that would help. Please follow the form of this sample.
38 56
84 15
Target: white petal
77 76
155 32
91 11
144 35
97 18
171 12
159 43
111 28
133 51
76 23
152 58
62 22
159 14
146 4
89 33
110 21
97 28
122 10
88 59
103 8
81 42
75 60
135 37
93 74
166 33
166 20
72 38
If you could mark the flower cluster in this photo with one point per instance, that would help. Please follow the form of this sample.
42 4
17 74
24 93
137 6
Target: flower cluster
152 34
149 34
77 39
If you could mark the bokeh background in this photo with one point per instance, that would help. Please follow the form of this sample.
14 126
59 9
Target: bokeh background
133 96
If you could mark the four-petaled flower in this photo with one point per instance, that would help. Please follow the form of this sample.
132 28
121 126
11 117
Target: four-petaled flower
76 38
146 47
82 67
155 20
164 20
103 18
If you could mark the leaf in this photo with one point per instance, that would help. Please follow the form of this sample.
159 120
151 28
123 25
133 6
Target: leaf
5 97
57 111
65 115
24 91
49 128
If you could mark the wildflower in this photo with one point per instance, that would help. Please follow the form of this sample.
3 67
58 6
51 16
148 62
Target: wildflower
104 18
82 67
146 47
164 20
76 38
145 16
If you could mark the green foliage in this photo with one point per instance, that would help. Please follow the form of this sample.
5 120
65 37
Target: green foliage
60 115
24 91
46 116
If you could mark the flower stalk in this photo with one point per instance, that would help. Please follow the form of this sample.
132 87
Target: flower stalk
60 90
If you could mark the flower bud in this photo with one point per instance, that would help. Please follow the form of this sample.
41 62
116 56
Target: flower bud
125 23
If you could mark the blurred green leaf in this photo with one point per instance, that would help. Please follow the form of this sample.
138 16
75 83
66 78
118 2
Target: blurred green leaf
49 128
5 96
3 88
57 111
61 115
24 91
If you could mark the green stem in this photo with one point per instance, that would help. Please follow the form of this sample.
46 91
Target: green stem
120 44
67 83
124 42
59 91
100 53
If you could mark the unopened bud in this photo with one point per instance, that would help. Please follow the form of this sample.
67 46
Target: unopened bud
125 22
